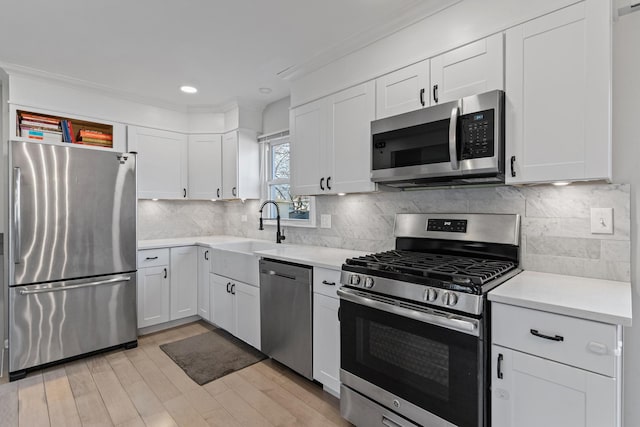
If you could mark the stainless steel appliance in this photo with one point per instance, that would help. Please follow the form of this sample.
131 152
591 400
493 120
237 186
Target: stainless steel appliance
72 253
286 314
414 322
454 143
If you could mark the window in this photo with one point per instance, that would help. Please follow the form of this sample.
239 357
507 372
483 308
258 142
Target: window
294 210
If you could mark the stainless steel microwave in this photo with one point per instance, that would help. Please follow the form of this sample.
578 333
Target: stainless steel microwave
454 143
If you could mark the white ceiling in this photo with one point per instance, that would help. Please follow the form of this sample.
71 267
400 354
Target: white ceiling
226 48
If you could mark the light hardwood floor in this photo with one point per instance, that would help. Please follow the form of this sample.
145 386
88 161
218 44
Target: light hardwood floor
144 387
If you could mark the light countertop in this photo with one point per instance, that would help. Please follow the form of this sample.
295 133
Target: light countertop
594 299
318 256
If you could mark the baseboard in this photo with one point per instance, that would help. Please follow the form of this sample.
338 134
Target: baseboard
167 325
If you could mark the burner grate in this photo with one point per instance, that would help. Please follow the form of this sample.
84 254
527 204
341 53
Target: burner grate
476 271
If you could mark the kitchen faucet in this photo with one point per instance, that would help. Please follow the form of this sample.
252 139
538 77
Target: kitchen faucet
279 235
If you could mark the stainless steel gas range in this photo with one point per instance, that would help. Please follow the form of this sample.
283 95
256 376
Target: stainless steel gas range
415 321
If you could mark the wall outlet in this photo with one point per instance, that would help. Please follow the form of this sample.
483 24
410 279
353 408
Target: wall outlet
325 221
601 220
243 218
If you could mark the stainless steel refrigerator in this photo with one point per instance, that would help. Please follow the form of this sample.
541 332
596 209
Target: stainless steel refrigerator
72 250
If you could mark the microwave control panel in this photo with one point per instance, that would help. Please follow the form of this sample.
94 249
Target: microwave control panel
477 135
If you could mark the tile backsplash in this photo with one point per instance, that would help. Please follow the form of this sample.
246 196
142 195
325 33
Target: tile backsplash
556 234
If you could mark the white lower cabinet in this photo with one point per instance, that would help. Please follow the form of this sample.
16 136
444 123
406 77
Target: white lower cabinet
184 282
553 370
153 296
529 391
204 265
236 308
326 342
326 329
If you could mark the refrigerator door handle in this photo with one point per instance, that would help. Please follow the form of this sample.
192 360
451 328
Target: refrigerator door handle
27 291
17 218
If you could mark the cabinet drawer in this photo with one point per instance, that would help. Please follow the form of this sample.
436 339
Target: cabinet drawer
153 257
326 282
577 342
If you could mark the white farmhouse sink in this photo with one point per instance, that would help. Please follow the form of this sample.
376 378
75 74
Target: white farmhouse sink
238 261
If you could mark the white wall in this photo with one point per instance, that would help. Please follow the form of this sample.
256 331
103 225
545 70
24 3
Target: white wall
276 116
626 161
462 23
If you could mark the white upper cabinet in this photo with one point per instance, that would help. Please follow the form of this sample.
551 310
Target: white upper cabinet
403 90
558 96
468 70
205 166
351 113
240 165
308 127
161 162
331 143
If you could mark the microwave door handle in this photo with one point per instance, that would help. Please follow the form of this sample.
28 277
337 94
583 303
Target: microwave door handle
453 138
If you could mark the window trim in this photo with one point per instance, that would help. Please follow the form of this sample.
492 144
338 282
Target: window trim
266 142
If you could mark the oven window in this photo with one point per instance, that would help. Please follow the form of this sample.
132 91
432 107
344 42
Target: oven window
435 368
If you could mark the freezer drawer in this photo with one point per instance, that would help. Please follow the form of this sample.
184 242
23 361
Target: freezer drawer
54 321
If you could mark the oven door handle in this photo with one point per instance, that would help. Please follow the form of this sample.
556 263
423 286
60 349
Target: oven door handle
469 327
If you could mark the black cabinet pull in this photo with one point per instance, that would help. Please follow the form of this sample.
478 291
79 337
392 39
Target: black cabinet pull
206 255
321 183
435 94
218 193
234 191
422 97
151 257
546 337
499 367
328 181
324 282
165 273
513 168
184 193
233 289
228 284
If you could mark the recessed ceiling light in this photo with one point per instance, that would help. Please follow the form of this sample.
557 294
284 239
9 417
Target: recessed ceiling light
188 89
265 90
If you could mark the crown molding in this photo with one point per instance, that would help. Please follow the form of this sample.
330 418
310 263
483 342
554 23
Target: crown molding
20 70
415 12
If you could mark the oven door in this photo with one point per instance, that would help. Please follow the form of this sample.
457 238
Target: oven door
422 364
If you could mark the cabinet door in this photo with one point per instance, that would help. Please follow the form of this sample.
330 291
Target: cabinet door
351 113
529 391
469 70
184 282
205 166
247 300
153 296
204 265
326 342
248 163
230 165
224 314
403 90
161 163
308 145
558 81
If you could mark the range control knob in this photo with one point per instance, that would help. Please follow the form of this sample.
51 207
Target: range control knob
368 282
430 295
354 279
450 299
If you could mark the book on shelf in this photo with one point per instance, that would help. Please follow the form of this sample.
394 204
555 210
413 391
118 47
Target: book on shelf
92 141
40 135
41 125
86 133
38 118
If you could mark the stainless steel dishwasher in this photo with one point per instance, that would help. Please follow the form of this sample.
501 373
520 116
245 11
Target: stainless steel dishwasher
286 314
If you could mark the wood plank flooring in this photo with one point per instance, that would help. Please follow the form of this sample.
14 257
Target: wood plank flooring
143 387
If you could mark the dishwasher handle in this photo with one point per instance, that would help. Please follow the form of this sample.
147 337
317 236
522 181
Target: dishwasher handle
275 273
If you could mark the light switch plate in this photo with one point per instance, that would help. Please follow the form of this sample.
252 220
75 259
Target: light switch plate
601 220
243 218
325 221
